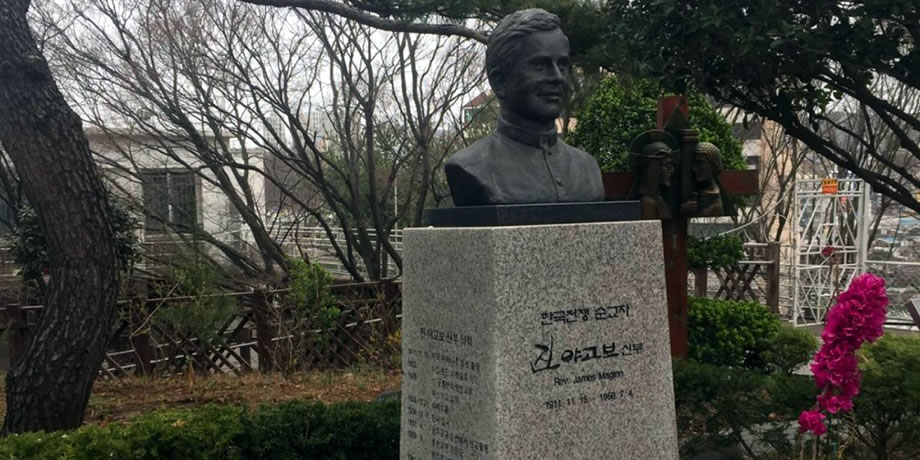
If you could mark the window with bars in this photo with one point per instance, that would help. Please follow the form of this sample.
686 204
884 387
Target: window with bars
170 200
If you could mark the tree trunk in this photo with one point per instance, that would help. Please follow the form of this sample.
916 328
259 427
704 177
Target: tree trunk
49 387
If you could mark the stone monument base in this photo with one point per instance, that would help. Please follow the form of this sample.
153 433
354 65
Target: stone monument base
501 215
536 342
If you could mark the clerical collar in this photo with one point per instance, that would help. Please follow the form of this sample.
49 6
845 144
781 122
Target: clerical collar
531 138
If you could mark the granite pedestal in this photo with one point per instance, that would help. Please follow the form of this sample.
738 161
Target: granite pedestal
532 214
536 342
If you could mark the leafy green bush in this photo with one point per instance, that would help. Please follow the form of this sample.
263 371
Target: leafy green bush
730 333
37 446
719 406
310 293
307 319
309 430
703 413
203 311
789 349
200 434
291 430
620 110
738 389
205 434
721 251
886 414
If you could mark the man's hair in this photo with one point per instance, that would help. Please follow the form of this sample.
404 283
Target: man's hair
505 39
712 154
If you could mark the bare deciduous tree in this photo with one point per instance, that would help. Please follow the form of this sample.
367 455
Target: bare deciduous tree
781 157
868 139
331 115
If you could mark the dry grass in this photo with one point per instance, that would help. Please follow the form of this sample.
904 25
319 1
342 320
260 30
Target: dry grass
113 400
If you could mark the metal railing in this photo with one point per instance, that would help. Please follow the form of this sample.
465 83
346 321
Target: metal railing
315 243
902 283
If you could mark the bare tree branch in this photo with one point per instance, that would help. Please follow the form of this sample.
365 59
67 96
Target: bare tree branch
377 22
308 103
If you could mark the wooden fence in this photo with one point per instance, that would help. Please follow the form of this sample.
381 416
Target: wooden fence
256 336
755 278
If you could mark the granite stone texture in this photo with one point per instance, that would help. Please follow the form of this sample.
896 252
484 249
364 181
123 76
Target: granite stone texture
536 342
532 214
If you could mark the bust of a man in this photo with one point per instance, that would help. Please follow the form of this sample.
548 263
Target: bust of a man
523 161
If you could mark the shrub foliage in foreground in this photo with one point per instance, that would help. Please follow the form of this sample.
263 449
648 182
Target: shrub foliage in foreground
738 388
730 333
293 430
886 415
719 406
746 334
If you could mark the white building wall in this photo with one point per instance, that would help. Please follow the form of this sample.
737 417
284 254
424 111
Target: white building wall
123 158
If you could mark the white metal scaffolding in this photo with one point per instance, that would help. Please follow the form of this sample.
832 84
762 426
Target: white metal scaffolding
829 244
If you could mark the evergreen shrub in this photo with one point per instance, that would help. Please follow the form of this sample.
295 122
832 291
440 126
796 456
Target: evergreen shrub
720 406
730 333
886 413
287 431
620 109
721 251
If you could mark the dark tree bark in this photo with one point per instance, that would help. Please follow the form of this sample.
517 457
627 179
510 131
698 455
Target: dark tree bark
49 387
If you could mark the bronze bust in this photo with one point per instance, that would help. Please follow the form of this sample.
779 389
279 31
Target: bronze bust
523 161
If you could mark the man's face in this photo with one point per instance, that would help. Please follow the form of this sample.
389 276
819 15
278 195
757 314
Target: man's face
535 84
667 169
702 167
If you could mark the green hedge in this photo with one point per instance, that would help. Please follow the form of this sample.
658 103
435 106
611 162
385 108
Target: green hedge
729 333
720 406
739 389
717 406
293 430
745 334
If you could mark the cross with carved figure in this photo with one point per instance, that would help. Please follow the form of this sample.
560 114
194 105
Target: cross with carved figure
676 177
